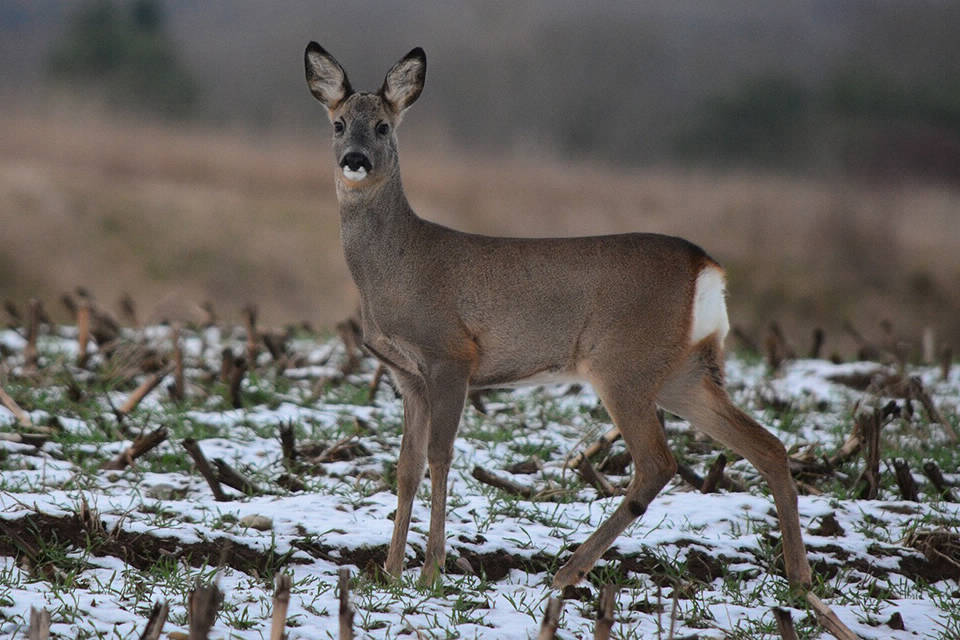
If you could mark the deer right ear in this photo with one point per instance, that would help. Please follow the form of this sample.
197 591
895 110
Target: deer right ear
326 78
404 81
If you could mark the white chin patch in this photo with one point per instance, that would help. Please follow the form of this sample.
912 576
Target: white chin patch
355 176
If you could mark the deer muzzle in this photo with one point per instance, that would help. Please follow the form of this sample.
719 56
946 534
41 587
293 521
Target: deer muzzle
355 165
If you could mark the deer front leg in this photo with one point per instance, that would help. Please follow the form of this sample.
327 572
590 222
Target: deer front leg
410 464
448 391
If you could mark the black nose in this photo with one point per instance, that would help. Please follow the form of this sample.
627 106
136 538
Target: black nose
354 160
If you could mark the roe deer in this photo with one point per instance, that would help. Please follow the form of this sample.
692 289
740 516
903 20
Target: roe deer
641 317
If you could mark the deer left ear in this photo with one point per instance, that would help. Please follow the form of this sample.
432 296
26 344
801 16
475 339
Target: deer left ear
404 81
326 78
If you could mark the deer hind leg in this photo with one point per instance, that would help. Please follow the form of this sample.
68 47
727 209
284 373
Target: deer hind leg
653 463
698 395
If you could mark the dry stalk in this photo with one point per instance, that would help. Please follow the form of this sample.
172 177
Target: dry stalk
509 486
602 444
785 624
129 309
33 328
673 611
237 372
346 448
905 481
349 332
230 477
140 446
178 390
15 319
817 346
202 606
375 383
204 468
476 401
148 385
608 598
158 617
593 477
288 444
920 394
33 558
937 545
346 610
90 520
714 475
276 343
867 350
209 314
777 347
689 476
15 409
870 425
281 602
69 304
617 463
849 448
933 473
103 326
774 354
694 479
928 342
807 489
897 348
828 619
250 320
551 619
39 624
83 333
226 365
32 439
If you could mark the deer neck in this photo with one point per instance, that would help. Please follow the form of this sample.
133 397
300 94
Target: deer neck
377 226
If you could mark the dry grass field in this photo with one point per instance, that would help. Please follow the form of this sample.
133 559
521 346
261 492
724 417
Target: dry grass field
176 216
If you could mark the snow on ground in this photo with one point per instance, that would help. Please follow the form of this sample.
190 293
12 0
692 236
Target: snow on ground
713 551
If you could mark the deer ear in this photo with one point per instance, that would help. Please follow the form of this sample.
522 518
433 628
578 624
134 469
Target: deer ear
404 81
326 78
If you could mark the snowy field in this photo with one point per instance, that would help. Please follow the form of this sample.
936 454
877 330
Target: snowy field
705 563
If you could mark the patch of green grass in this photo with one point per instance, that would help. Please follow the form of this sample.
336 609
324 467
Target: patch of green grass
489 432
345 393
529 448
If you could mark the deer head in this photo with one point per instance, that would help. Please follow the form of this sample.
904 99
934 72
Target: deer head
364 124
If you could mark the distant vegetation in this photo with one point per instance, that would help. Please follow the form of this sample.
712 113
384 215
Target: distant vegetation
122 53
866 89
764 120
859 120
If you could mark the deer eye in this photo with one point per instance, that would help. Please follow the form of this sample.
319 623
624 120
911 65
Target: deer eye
383 128
338 127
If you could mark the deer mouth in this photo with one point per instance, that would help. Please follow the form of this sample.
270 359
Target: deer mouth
355 166
354 175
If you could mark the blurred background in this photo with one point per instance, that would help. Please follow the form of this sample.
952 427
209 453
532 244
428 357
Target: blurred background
170 150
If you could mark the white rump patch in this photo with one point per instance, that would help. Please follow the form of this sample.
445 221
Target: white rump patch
709 306
355 176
